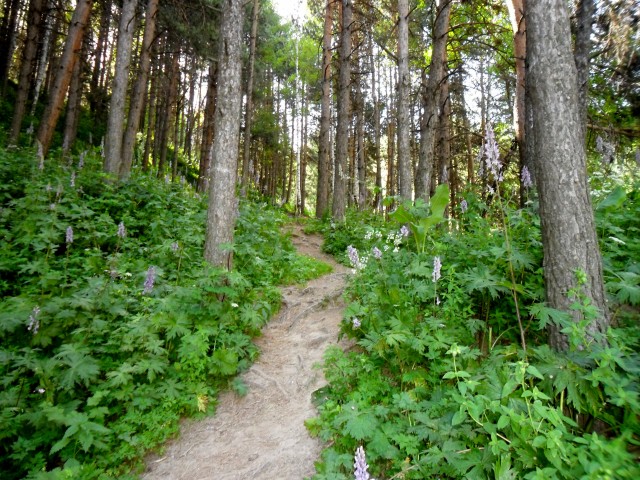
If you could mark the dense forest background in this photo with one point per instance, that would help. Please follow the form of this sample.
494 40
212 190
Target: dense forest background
496 140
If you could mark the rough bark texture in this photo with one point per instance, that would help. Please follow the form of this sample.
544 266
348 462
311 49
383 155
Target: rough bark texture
404 91
247 167
139 90
431 100
568 231
584 26
7 32
324 155
518 25
222 199
26 67
63 76
115 123
344 115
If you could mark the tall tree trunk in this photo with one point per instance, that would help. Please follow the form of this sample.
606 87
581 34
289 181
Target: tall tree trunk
518 25
324 155
74 102
360 148
568 232
26 67
139 90
115 123
151 120
584 26
44 56
303 153
247 167
404 92
431 100
96 93
344 114
169 103
223 203
7 32
63 76
208 128
375 93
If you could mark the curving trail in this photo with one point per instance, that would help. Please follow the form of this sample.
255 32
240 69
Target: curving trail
262 435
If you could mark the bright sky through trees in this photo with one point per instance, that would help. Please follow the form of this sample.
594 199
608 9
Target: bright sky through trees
288 9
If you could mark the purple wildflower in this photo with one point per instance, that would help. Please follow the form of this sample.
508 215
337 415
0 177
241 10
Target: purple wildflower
69 236
122 232
404 231
360 466
34 323
148 283
492 154
437 265
353 256
175 247
356 322
81 160
464 206
526 178
376 253
72 182
40 156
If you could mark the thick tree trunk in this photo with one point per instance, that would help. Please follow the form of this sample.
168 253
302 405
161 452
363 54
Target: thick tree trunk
404 91
324 155
96 93
63 76
44 56
568 231
431 100
26 68
139 90
344 115
223 203
115 123
247 167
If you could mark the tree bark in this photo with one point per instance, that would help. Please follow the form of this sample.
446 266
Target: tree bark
247 167
139 90
344 115
26 67
7 32
584 26
568 231
404 91
208 129
222 199
324 155
63 76
74 101
115 123
431 100
518 25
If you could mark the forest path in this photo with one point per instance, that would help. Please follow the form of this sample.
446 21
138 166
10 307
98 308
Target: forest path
262 435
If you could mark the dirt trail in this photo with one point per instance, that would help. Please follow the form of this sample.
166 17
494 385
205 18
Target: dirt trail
262 435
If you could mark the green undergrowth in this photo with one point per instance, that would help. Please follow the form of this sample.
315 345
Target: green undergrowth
112 327
438 386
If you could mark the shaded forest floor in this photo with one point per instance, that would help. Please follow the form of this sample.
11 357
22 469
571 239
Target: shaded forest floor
262 435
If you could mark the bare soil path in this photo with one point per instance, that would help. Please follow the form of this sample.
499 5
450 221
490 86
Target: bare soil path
262 435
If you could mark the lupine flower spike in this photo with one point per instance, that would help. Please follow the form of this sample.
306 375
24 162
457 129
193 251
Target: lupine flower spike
69 235
437 265
526 178
360 466
122 231
148 283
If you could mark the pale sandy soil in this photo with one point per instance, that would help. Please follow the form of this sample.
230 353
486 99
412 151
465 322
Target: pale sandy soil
262 435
